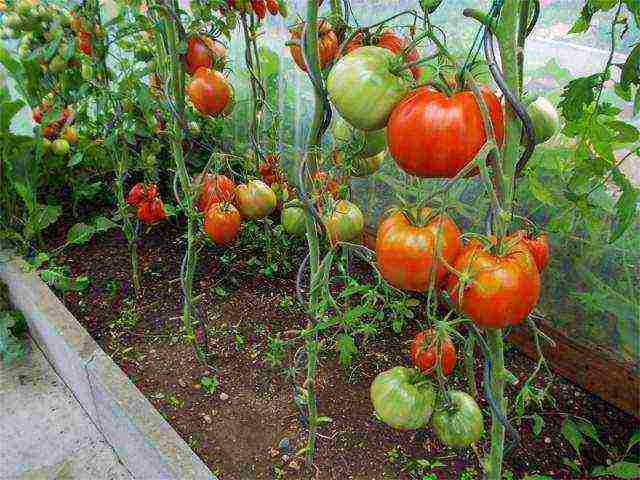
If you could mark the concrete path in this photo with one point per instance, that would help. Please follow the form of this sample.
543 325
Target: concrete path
44 432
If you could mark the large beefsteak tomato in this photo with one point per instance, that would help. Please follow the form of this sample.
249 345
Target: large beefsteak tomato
364 89
222 223
427 350
460 423
432 135
209 91
402 399
213 189
255 199
497 291
407 254
345 223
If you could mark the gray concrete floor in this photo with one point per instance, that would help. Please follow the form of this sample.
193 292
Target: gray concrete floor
44 432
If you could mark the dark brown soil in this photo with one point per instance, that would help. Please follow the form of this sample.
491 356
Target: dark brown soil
238 428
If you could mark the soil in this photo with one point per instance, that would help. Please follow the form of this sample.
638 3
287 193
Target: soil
249 427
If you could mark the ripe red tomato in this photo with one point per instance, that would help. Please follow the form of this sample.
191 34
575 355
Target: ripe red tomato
272 6
84 43
214 189
427 351
432 135
209 91
37 114
406 253
538 246
501 291
151 211
259 8
136 194
203 51
142 193
222 222
328 44
391 42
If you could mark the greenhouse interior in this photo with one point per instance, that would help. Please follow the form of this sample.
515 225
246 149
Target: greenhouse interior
319 239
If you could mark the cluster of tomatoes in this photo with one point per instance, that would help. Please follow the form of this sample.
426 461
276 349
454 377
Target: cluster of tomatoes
260 7
225 204
209 90
149 207
59 134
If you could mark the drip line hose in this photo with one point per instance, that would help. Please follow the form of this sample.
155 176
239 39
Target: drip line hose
493 405
518 108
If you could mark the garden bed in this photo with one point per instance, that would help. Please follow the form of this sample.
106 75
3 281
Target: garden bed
249 426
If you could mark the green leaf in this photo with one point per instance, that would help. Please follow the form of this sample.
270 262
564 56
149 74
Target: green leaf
626 206
634 440
75 159
589 430
572 434
102 224
540 192
269 61
624 470
578 95
43 216
631 69
80 233
626 133
538 424
346 348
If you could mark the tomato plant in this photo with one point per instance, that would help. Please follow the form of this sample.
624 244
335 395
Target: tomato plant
327 44
213 189
389 40
204 51
344 223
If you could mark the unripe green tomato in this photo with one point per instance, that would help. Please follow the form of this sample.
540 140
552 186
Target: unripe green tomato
293 218
60 147
46 144
57 64
545 118
86 71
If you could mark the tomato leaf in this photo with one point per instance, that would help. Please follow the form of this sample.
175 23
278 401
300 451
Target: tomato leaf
589 430
626 206
626 133
572 434
577 95
624 470
102 224
538 424
346 348
80 233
